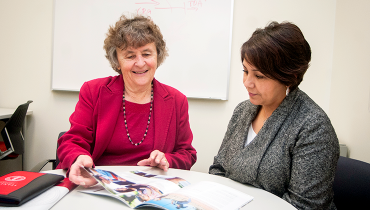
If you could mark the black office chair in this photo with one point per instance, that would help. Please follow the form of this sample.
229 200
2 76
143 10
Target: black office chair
351 184
13 141
54 162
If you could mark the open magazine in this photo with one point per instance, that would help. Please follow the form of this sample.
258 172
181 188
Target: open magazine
138 189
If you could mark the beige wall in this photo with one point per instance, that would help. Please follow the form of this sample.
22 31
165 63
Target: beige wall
26 58
350 88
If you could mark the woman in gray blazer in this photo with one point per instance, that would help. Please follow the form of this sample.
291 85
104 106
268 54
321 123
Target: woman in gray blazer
280 140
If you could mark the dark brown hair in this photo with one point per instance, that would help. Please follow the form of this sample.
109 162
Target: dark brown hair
280 52
133 32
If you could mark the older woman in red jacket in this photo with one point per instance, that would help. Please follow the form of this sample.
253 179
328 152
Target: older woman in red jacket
129 119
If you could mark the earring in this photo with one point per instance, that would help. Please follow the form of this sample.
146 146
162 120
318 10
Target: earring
287 91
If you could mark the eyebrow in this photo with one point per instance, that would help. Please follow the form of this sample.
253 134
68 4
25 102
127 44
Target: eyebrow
252 69
145 50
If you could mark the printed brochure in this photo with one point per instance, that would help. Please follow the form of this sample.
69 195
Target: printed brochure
138 189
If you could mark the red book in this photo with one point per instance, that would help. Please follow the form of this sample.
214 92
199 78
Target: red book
19 187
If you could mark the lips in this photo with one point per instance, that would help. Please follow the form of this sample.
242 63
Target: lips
140 72
251 94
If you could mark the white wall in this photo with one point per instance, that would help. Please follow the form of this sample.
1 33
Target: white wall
26 56
350 89
25 65
209 119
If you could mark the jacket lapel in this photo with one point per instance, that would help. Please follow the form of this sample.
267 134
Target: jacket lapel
163 110
108 108
254 152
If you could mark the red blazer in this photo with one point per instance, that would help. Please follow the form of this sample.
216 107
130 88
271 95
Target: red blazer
92 123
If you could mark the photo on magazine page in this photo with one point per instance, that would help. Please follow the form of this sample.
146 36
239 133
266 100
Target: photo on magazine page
203 195
135 187
177 180
174 201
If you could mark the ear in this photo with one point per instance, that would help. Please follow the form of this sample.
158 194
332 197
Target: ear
287 91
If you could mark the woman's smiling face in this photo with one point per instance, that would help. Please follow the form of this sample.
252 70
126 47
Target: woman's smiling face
138 65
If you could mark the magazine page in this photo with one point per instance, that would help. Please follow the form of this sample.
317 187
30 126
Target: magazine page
177 180
203 196
135 187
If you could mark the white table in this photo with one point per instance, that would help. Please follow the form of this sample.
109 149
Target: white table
6 113
77 200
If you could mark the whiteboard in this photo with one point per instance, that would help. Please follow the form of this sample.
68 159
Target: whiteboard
197 33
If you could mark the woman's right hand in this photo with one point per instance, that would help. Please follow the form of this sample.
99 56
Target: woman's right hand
78 174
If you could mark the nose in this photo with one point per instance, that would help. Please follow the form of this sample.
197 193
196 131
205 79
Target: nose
248 81
140 62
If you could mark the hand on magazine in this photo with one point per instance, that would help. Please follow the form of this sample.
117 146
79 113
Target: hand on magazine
157 159
78 174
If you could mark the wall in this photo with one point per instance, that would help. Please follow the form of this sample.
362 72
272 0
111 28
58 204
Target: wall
25 65
209 119
350 88
26 52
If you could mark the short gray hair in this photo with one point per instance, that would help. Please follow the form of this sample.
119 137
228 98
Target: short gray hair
133 32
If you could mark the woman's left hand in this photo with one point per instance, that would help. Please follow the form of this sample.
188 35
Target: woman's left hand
157 159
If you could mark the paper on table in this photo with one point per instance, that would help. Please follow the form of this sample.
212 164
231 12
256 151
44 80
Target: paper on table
204 195
47 199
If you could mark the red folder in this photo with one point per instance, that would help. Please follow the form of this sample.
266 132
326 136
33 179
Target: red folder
19 187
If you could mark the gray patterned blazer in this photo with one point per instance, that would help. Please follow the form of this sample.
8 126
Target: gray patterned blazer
293 156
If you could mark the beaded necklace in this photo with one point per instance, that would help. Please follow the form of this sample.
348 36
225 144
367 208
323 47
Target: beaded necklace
150 114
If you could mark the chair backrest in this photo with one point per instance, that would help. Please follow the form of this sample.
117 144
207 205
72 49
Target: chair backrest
56 154
12 131
351 184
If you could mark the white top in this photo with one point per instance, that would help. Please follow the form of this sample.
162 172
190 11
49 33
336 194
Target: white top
251 135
